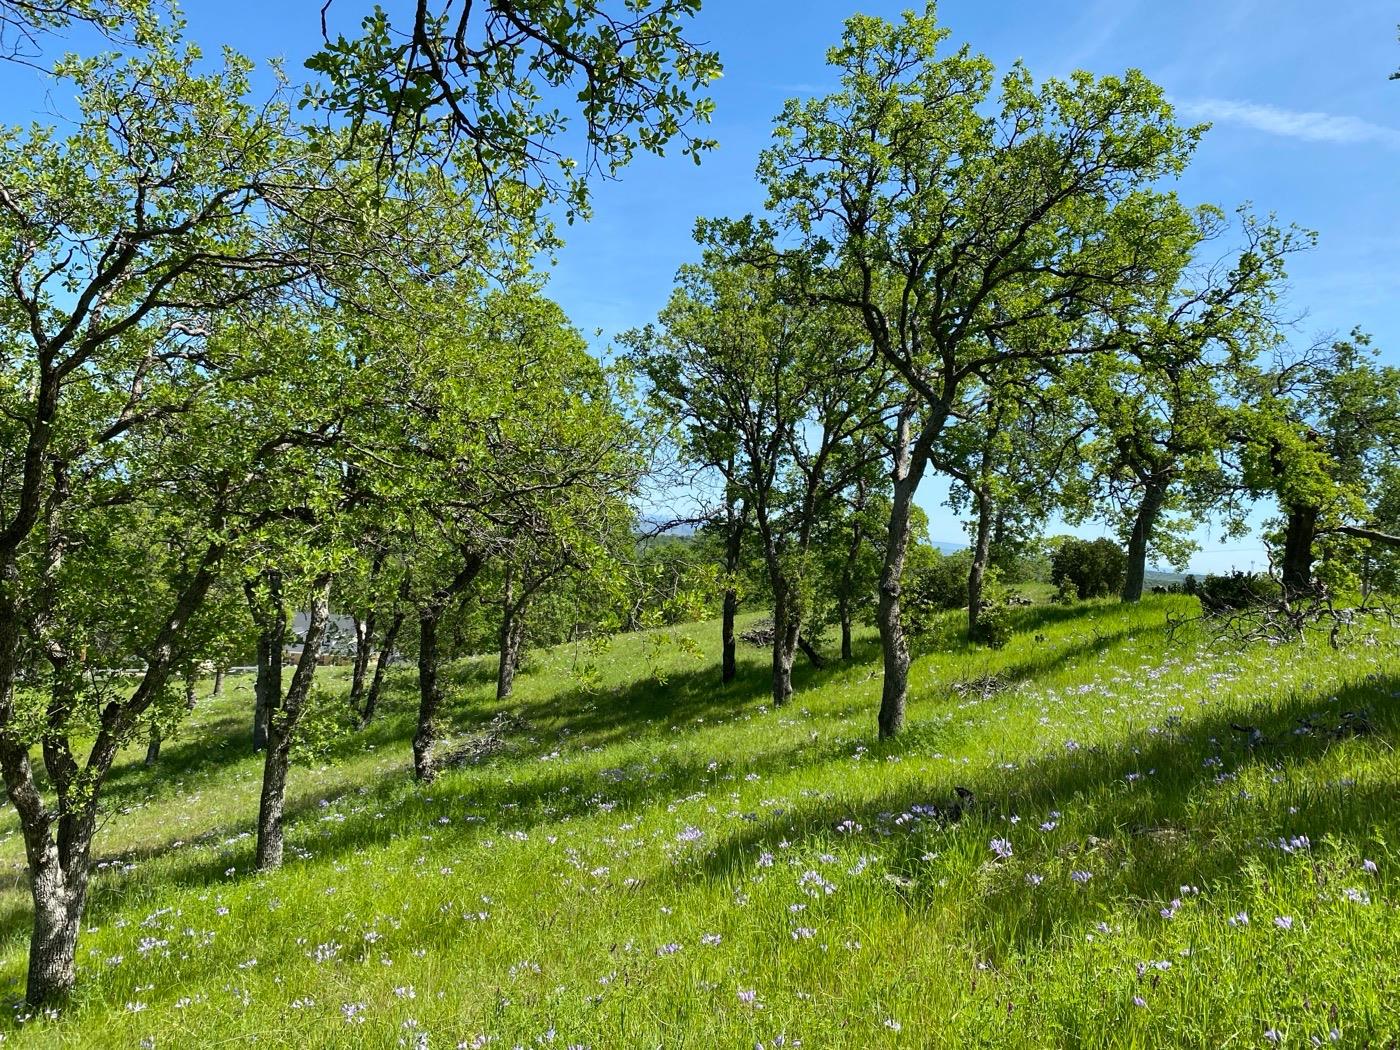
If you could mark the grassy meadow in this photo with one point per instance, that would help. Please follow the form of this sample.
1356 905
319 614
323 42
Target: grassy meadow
1166 845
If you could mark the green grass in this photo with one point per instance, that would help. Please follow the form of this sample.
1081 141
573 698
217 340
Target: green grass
570 891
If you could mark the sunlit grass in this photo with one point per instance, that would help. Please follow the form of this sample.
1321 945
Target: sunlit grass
657 860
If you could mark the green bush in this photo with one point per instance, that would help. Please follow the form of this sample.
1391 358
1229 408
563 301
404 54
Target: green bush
1092 568
1235 592
993 626
935 588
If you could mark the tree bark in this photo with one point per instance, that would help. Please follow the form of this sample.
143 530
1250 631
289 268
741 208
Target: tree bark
218 683
786 628
364 649
58 839
1298 538
429 695
843 606
729 661
511 639
1385 539
53 941
381 666
815 658
282 721
153 746
1135 580
894 645
429 690
270 615
981 554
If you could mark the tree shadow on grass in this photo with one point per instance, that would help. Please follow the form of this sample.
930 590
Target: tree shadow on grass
1154 817
594 719
398 807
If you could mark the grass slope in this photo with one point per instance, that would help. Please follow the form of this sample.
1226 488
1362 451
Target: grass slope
663 862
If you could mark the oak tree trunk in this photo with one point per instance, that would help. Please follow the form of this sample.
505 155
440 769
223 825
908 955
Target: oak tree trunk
786 628
53 939
894 645
282 721
270 615
429 690
1135 580
512 640
364 650
381 667
729 665
429 694
981 554
1298 538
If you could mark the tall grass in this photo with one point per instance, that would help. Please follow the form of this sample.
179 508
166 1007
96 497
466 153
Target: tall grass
1164 846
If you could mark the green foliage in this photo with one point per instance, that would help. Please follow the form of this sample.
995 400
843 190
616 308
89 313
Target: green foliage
1321 431
475 84
1092 568
325 724
995 623
1236 591
933 589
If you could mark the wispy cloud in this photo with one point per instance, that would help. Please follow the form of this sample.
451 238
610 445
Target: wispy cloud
1309 126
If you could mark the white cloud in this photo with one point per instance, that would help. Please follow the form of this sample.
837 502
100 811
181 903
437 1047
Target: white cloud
1311 127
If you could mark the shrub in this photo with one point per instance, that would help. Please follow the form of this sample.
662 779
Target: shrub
1093 568
1235 592
993 625
935 588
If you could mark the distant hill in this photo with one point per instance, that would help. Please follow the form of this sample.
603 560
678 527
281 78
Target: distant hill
1163 577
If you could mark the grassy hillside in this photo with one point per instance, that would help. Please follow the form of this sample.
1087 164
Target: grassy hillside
658 861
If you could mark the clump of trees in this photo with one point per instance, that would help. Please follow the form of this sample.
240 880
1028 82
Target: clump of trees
263 363
1012 299
258 362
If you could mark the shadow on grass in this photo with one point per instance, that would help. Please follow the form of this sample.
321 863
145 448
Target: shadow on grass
596 719
593 718
1155 818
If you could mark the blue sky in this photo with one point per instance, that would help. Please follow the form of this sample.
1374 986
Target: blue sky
1306 125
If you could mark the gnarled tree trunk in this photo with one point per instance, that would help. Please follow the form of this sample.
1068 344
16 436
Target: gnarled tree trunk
58 838
512 641
381 666
1135 580
430 615
809 650
894 645
283 717
364 650
729 660
787 626
843 609
1298 537
981 554
429 694
270 616
53 940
